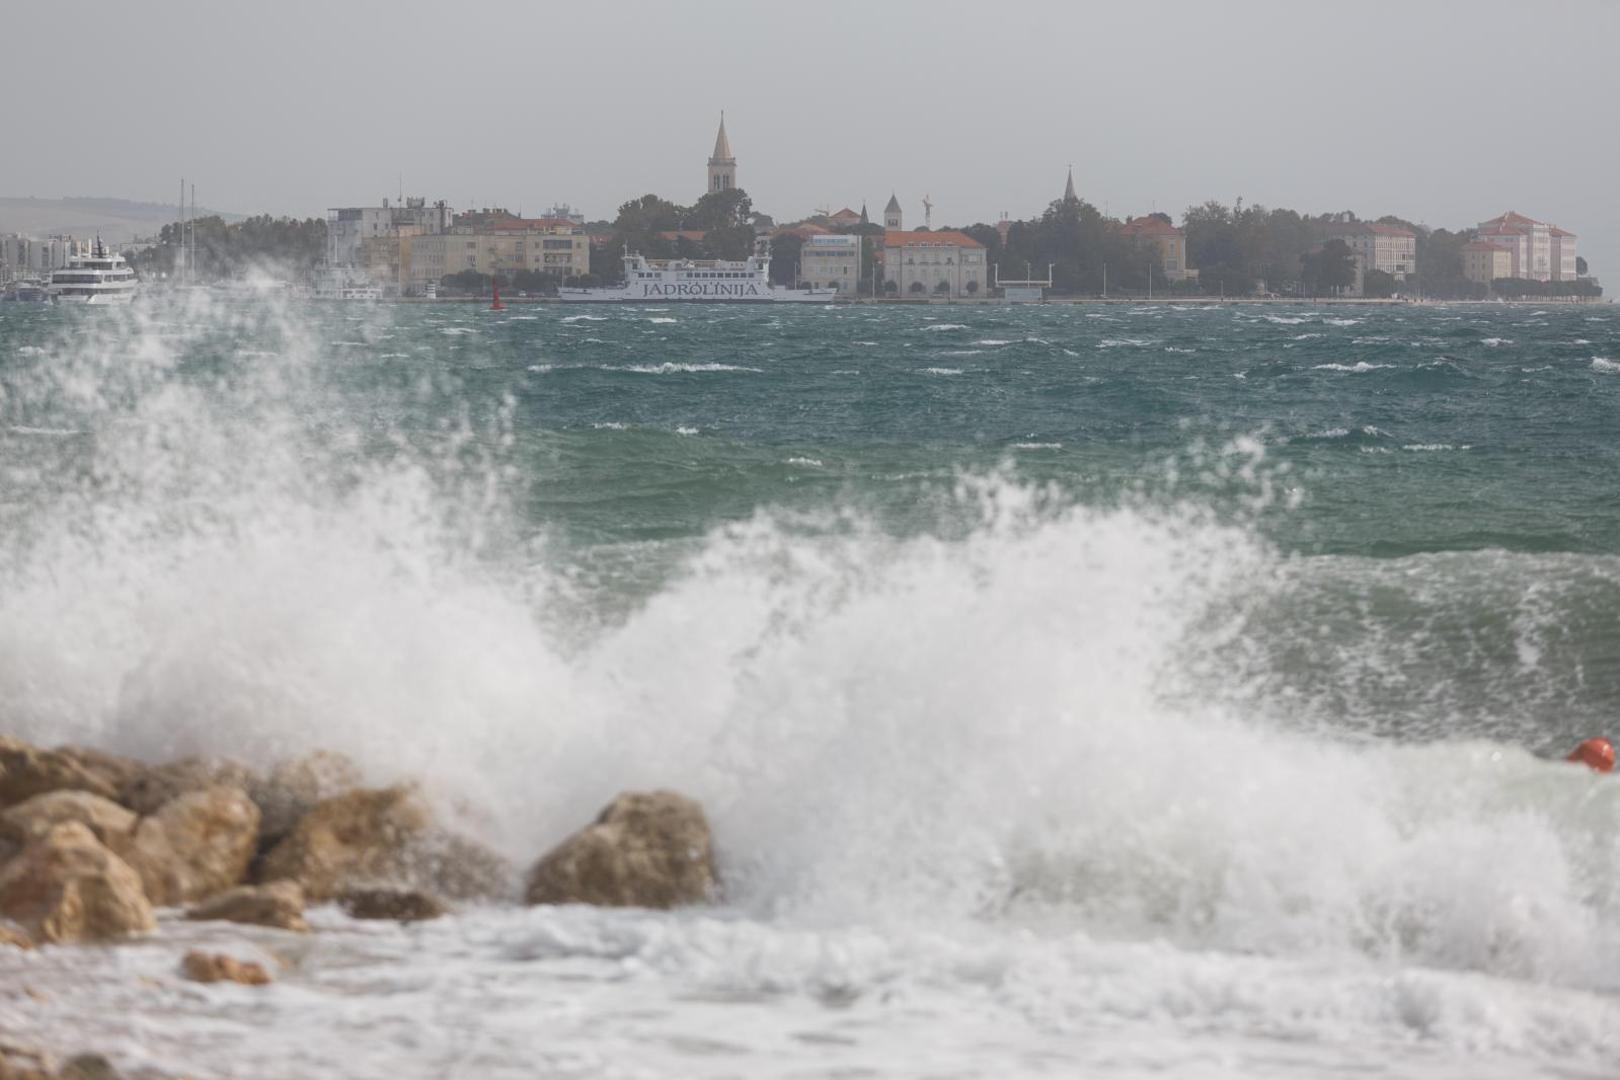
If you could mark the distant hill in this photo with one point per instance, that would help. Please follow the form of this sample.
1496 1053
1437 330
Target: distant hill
116 220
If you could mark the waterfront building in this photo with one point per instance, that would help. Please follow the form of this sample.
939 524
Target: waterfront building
1390 248
1539 251
1484 261
497 242
844 219
33 257
926 263
1166 239
347 226
831 261
722 163
892 215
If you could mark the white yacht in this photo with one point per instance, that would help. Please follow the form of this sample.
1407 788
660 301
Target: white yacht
700 280
100 277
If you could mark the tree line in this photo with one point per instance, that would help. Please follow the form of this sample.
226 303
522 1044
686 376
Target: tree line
224 250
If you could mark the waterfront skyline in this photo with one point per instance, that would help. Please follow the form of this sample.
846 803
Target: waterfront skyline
1159 108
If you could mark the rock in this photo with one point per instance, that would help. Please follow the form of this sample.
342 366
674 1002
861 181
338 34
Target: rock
13 936
406 905
87 1067
27 821
294 787
644 850
150 789
279 904
26 771
67 887
205 967
381 837
22 1063
199 844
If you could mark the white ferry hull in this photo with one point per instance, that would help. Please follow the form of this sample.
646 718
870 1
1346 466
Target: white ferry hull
697 281
665 294
102 299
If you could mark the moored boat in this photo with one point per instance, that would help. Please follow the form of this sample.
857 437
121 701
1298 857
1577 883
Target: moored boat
698 280
101 277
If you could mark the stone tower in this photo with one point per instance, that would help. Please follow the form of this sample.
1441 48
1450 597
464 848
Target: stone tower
722 166
891 213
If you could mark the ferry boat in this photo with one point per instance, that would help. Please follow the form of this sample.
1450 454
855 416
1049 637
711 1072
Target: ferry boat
100 277
698 280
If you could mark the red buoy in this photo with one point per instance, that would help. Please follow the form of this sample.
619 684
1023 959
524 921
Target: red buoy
1596 754
495 296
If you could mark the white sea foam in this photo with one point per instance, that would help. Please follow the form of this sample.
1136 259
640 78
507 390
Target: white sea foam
683 430
1493 342
935 327
810 461
1605 365
1434 447
663 320
942 371
965 821
668 368
610 425
1359 367
1037 446
992 341
1285 320
1341 322
455 330
1118 343
584 318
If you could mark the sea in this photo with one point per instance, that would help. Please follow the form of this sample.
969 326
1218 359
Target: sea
1096 690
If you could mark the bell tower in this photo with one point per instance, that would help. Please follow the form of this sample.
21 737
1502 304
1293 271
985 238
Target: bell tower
891 214
722 166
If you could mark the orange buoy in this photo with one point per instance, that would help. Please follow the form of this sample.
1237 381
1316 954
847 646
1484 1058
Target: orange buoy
1596 754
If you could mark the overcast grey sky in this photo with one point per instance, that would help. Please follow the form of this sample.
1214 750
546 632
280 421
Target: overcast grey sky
1445 113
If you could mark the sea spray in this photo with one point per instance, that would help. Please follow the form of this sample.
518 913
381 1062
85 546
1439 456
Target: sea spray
1072 766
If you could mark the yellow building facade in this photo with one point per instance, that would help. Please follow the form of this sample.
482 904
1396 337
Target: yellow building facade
494 242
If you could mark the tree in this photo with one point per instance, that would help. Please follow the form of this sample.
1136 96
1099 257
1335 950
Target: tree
785 251
971 288
1580 265
891 287
941 289
1378 283
918 287
1330 269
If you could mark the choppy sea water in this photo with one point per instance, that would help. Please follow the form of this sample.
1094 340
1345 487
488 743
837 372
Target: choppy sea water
1118 691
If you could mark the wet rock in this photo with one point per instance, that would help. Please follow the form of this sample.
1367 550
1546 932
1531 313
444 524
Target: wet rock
27 770
279 905
198 844
205 967
67 887
150 789
27 821
24 1063
381 837
644 850
294 787
87 1067
12 936
405 905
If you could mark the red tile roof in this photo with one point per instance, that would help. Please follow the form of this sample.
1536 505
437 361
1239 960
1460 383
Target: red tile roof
924 238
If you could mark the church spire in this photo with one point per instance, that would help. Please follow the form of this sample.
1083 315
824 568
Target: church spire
1068 189
722 166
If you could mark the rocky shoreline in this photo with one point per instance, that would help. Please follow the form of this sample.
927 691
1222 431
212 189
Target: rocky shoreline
91 843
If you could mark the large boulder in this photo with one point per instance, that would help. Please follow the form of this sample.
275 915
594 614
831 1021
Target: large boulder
67 887
294 787
279 904
402 905
204 967
198 844
150 789
27 770
28 821
378 838
644 850
12 936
